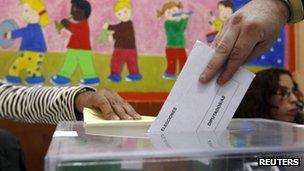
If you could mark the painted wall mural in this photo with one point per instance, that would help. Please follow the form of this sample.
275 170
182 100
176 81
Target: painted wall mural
126 45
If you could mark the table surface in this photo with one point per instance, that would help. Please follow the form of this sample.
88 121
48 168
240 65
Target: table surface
243 136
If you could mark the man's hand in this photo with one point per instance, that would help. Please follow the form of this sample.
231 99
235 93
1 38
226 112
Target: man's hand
111 105
246 34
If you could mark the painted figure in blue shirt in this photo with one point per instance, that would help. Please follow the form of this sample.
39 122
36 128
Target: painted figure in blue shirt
32 38
33 46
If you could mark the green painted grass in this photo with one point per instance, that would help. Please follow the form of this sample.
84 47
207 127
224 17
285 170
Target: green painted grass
151 67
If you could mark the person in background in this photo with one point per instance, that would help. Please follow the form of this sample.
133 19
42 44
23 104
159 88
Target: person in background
11 154
273 94
248 33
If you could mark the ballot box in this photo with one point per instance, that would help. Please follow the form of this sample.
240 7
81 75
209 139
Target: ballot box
247 144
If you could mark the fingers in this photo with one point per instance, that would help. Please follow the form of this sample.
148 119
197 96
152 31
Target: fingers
128 108
219 36
131 111
119 110
223 46
115 107
249 37
259 49
106 108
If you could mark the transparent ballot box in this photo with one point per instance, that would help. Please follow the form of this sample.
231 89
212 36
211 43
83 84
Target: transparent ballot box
240 147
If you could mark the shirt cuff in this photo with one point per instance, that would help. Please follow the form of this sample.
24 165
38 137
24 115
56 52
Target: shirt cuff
296 10
79 115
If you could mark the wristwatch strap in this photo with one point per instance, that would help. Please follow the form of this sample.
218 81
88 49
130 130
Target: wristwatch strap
296 10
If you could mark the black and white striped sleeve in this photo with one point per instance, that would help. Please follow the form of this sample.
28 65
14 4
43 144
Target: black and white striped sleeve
38 104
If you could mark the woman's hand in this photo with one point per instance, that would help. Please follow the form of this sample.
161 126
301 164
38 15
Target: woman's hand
111 105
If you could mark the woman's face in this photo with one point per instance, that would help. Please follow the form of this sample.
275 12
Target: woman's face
285 100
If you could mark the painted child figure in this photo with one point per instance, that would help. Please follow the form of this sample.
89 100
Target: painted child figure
79 47
175 27
125 45
33 46
225 8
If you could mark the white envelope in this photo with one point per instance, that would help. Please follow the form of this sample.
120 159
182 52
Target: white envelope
94 124
192 106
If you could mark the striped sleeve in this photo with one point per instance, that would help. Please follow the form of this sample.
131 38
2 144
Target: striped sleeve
38 104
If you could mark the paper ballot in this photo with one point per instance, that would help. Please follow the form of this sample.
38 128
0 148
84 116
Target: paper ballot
93 118
192 106
94 124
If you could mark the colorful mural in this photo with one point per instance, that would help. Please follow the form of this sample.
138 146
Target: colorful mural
176 22
79 51
148 28
126 45
125 51
33 46
225 10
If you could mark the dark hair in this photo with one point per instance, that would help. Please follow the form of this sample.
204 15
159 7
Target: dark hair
226 3
83 5
256 102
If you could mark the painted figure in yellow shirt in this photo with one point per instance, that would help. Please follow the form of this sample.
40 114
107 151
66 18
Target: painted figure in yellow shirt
225 8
